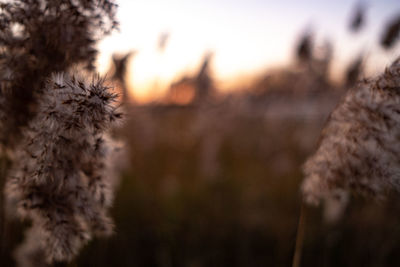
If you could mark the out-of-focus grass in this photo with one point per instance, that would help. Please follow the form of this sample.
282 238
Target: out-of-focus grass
217 184
243 212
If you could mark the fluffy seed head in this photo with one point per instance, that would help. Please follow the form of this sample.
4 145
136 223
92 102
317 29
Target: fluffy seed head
60 180
360 146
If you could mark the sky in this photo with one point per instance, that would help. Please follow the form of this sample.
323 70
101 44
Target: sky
247 37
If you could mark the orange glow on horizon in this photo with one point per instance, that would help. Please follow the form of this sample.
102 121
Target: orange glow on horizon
246 37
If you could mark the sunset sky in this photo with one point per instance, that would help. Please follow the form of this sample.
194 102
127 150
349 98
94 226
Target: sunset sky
246 36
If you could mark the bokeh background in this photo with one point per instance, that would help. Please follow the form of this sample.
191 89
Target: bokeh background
223 102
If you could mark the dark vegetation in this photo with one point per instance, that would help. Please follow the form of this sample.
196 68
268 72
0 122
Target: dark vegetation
214 182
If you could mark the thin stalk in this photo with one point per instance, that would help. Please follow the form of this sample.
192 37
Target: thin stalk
300 236
3 171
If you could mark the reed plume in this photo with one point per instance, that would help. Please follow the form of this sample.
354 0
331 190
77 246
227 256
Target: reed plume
59 181
358 15
359 147
304 49
391 33
54 126
38 38
119 70
355 70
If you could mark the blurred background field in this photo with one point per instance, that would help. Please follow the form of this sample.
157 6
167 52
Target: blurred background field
213 164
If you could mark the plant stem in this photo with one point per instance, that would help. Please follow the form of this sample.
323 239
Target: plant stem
3 171
300 236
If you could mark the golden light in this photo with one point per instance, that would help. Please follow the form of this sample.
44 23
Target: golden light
245 37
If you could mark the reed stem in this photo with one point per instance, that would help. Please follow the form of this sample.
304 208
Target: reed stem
300 236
